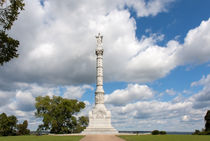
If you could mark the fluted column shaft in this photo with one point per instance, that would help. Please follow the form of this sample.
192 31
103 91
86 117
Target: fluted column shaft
99 94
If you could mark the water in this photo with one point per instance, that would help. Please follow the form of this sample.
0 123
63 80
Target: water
146 132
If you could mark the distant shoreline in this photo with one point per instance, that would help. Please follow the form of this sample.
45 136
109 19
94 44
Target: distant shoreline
168 132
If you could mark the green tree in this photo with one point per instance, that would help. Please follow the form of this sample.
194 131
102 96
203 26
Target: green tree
58 113
22 128
7 125
207 119
82 124
155 132
8 14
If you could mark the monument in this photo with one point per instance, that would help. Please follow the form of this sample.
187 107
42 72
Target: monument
99 117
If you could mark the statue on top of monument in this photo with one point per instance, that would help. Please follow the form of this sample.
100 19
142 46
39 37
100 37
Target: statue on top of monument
99 39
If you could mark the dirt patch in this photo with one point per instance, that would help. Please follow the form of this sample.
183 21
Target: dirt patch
101 138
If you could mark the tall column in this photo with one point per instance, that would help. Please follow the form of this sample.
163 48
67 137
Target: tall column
99 93
99 116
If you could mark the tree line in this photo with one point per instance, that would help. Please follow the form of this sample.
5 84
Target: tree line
9 126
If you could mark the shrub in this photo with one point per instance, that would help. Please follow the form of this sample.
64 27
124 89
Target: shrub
162 132
197 132
155 132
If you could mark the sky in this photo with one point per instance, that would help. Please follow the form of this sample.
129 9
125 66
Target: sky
156 60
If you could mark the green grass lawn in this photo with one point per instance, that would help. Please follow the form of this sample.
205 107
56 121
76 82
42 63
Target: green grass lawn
166 138
41 138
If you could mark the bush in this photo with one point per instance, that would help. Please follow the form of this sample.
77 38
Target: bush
197 132
22 128
155 132
162 132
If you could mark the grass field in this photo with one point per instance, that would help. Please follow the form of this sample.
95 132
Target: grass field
41 138
166 138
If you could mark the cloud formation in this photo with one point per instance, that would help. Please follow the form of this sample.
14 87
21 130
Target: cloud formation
57 51
132 93
178 114
202 98
57 44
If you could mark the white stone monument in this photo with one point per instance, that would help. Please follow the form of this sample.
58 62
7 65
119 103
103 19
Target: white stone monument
99 117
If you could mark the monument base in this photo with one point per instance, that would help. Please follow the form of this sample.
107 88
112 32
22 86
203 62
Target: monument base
100 121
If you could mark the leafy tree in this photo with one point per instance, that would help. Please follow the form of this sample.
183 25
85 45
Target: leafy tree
22 128
163 132
197 132
58 114
82 124
155 132
8 14
7 125
207 119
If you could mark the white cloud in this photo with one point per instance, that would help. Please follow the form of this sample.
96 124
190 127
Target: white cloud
202 98
132 93
150 115
185 118
76 92
170 92
57 44
24 101
204 81
147 8
179 114
5 97
196 45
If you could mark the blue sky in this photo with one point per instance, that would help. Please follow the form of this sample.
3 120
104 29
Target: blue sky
156 60
177 21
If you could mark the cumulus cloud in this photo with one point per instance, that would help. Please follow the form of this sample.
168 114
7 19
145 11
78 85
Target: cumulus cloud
170 92
202 98
57 49
162 115
180 113
76 92
24 101
185 118
196 45
151 7
5 97
132 93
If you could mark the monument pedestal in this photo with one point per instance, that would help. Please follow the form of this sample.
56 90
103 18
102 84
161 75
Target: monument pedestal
100 121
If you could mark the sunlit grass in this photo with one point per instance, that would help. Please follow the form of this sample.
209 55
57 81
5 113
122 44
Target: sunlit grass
41 138
166 137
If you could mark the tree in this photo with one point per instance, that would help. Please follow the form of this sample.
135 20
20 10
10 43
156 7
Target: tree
82 124
8 14
155 132
207 119
58 113
163 132
7 125
22 128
